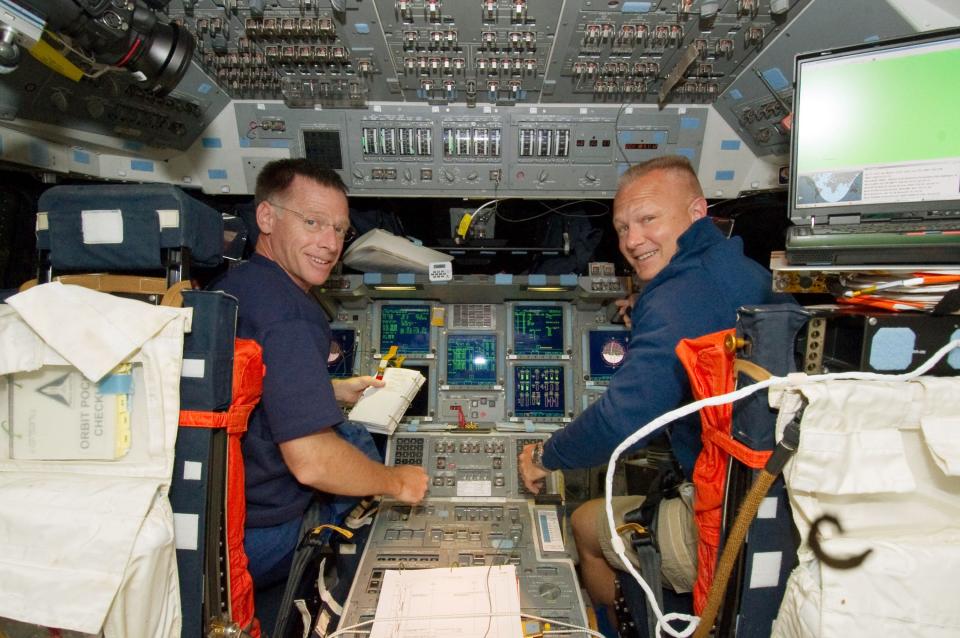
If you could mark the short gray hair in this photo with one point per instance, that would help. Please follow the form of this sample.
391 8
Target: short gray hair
678 165
276 176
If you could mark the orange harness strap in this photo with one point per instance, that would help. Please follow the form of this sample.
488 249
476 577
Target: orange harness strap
710 369
248 372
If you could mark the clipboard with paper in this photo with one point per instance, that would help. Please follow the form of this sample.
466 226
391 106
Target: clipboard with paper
381 409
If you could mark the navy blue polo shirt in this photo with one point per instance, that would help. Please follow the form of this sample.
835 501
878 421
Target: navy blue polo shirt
298 398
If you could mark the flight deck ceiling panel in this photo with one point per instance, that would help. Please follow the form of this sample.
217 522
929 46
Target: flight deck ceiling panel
497 52
756 102
440 98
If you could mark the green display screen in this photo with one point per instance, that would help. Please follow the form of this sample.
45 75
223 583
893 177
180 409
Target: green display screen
878 125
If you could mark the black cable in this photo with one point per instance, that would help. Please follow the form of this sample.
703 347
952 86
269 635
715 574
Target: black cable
557 210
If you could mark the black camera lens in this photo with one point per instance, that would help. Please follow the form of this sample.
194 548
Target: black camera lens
164 57
128 34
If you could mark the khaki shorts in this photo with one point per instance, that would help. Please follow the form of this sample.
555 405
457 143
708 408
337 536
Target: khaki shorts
676 537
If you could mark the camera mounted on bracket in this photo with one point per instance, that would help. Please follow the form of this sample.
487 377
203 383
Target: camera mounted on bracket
124 34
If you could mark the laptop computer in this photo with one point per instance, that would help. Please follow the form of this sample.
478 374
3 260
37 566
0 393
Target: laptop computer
875 153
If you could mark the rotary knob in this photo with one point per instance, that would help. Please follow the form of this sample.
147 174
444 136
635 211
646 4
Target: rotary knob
549 591
60 100
95 107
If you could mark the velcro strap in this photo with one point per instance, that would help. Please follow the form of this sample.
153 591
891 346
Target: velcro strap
305 616
325 594
648 558
234 420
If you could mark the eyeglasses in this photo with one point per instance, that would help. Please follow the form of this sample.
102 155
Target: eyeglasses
318 225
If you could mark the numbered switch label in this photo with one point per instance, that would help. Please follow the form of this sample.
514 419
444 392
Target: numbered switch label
441 271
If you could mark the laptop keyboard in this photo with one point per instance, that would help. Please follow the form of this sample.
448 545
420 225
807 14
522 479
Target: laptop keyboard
920 242
947 226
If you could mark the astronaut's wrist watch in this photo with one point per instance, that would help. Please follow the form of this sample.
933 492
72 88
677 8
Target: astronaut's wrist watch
537 457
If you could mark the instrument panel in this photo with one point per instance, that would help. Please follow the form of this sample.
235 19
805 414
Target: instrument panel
503 371
476 515
512 360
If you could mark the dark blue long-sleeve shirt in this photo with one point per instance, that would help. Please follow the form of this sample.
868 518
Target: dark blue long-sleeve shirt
697 293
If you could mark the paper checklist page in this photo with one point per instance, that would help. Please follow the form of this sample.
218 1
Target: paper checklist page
468 602
382 408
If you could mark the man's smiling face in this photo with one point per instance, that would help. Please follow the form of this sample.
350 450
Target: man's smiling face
649 214
308 257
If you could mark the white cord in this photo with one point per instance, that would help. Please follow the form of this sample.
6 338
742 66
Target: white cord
354 629
492 202
664 419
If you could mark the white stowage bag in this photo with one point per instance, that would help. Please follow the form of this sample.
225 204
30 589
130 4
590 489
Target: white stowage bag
87 545
883 458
